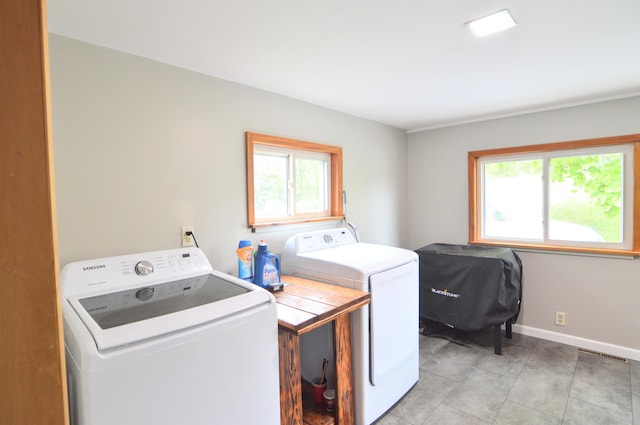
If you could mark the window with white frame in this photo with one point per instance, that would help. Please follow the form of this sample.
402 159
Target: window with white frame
290 181
576 196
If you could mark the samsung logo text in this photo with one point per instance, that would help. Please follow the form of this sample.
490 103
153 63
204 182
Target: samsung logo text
94 267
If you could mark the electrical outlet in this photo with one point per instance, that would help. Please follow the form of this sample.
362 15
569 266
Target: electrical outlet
561 318
187 239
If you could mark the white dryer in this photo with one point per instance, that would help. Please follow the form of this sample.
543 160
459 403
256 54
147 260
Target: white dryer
161 338
384 334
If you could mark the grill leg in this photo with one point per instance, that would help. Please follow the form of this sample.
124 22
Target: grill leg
507 332
497 342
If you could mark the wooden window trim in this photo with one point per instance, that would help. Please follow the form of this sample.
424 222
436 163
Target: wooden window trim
336 208
474 197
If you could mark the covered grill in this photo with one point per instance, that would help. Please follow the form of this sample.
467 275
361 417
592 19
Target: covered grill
470 288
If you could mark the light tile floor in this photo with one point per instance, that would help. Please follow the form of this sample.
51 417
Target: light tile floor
462 382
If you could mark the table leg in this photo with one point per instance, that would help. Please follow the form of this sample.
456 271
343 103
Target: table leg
290 383
345 409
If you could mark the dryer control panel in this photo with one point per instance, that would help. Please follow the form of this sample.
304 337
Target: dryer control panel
321 239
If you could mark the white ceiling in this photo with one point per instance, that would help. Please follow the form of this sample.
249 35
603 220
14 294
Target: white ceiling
408 63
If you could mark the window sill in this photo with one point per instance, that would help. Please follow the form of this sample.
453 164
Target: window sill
568 250
271 224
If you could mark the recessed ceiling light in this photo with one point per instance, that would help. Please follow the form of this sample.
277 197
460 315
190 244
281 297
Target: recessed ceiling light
493 23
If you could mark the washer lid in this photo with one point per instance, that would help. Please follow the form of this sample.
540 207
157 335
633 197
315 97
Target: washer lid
132 315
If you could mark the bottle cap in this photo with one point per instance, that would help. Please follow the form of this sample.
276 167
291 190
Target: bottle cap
244 243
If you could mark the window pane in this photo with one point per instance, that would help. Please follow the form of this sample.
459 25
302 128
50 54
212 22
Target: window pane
270 186
512 200
585 197
310 183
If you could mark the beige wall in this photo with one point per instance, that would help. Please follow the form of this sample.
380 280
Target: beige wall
142 148
600 295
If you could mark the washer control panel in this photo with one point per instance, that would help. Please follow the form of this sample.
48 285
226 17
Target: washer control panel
133 270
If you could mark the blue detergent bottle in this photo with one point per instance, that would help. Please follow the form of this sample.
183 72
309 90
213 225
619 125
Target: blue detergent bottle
245 260
266 267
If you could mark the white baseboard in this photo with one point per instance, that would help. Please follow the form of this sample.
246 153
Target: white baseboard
589 344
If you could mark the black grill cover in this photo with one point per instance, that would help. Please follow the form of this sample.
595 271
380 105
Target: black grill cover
469 287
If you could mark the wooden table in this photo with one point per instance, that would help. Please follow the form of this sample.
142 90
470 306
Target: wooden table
304 305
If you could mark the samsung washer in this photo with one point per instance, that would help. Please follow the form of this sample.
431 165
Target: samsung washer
161 338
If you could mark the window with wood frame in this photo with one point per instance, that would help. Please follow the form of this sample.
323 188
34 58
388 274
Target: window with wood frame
579 196
292 181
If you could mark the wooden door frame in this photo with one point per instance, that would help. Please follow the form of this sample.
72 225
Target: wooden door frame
32 377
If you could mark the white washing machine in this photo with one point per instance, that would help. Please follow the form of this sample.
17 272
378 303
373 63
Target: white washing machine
384 334
161 338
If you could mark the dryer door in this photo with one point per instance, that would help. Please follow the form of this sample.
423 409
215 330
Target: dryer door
394 319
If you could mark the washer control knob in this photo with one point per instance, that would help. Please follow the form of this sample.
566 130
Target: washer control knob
145 294
328 238
144 268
